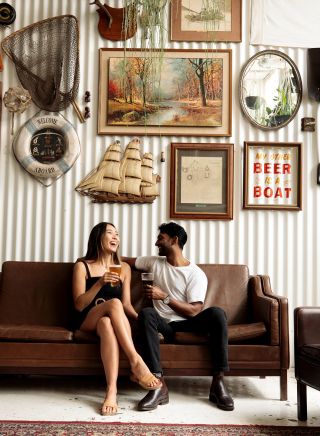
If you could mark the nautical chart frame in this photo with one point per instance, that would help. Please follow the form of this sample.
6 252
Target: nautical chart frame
188 29
208 114
201 181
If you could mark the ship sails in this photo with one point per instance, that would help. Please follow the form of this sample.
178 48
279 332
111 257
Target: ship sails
124 178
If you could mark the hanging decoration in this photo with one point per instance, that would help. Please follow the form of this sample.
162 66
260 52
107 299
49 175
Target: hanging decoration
7 14
152 19
16 100
116 24
122 177
47 146
46 57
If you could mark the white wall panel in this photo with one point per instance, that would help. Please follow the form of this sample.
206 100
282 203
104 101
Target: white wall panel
53 223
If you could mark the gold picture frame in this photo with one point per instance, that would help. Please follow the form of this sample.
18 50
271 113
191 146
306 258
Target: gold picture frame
272 176
191 22
201 181
180 113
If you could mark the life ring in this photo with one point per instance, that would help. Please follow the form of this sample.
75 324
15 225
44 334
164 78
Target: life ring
47 146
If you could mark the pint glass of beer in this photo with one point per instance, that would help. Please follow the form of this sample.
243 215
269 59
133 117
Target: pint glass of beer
115 269
147 279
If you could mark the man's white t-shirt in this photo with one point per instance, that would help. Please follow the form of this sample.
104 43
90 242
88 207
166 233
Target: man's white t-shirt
184 283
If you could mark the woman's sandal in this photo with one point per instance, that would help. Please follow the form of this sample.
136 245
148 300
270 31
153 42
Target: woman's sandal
114 406
146 380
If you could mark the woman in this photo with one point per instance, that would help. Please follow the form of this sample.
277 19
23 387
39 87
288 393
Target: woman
102 299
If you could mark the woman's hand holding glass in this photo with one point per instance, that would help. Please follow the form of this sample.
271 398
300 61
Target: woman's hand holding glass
111 277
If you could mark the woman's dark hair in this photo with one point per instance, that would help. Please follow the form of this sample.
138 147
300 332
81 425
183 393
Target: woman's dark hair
173 229
95 249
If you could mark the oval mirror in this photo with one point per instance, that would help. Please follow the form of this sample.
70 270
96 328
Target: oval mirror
270 89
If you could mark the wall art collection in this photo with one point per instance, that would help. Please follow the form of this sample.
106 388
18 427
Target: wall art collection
153 90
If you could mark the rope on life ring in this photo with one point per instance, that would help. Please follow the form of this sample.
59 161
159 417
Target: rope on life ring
22 146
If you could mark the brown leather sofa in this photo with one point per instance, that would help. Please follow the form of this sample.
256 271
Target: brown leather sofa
37 334
306 354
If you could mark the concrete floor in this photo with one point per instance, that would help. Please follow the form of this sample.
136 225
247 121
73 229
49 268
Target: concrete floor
79 399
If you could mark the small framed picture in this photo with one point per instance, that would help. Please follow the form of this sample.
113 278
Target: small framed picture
201 181
272 175
196 20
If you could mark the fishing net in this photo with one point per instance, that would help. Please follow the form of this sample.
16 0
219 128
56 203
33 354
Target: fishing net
46 57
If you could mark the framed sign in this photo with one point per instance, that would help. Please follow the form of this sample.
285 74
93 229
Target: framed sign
272 175
201 181
196 20
192 97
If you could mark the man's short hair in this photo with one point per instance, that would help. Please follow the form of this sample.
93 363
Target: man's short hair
173 229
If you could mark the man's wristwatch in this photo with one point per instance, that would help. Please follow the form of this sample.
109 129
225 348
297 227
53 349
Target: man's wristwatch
166 300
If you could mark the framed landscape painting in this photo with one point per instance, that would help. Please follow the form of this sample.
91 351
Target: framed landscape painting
201 181
190 96
203 20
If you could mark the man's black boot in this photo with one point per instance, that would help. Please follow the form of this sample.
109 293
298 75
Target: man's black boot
220 395
154 398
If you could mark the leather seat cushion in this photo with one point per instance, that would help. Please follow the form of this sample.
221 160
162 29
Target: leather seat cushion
80 336
34 333
236 332
311 351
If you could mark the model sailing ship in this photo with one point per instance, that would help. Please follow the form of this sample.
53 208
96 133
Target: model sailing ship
126 178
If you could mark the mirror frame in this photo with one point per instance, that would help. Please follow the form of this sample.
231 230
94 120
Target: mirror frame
241 94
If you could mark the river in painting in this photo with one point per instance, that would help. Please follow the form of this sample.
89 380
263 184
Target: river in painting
187 93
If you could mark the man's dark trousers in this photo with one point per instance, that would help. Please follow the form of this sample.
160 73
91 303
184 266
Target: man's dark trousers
211 321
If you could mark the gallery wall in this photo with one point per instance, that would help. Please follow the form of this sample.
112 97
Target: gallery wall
53 223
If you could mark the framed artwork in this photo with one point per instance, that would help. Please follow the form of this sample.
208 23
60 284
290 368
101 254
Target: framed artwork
0 105
192 97
201 181
196 20
272 175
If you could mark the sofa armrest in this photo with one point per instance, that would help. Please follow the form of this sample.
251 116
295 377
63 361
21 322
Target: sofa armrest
283 319
306 326
264 309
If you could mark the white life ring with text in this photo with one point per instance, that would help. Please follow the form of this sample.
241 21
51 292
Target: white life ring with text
47 146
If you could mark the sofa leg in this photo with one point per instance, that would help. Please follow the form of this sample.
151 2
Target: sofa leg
302 401
283 385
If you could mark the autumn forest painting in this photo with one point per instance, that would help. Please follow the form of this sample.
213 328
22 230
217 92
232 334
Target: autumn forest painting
189 92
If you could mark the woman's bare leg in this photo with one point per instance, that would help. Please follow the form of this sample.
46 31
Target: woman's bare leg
114 310
109 350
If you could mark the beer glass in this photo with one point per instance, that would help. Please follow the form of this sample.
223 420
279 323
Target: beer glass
115 269
147 279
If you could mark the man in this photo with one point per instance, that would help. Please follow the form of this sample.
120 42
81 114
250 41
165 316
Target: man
178 295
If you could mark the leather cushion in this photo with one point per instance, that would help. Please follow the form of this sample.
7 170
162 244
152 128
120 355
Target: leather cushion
236 332
36 333
37 293
80 336
227 288
311 351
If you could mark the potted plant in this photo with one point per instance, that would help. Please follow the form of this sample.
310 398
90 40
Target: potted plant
254 101
282 110
284 102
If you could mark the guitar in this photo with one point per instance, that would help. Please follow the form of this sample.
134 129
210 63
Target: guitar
112 21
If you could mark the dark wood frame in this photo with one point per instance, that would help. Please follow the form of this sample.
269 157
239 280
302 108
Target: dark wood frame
177 34
246 185
224 130
224 211
297 78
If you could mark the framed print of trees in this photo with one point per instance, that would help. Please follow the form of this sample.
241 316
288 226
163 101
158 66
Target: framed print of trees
192 97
